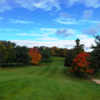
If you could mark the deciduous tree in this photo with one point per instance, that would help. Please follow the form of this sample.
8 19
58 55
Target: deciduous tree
35 55
95 55
81 64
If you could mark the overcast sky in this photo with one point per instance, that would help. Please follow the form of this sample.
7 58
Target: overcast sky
49 22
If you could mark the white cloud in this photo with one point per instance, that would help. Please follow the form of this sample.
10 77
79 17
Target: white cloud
46 5
73 21
92 3
89 21
58 43
47 38
82 36
72 2
67 19
45 32
38 37
8 30
87 3
92 31
63 20
48 30
65 15
59 32
66 32
42 4
19 21
49 33
87 41
29 34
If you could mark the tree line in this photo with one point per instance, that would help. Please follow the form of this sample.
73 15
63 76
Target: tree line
15 55
11 54
76 58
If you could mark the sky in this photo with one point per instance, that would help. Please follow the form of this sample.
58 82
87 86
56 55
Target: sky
50 22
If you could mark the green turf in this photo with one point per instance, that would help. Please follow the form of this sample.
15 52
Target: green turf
46 82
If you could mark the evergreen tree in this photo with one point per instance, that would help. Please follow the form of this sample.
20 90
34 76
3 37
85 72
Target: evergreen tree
79 47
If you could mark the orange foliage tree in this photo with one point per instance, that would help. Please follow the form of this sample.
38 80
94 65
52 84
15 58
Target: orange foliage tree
35 55
81 64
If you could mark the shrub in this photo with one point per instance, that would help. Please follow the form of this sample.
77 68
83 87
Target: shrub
81 64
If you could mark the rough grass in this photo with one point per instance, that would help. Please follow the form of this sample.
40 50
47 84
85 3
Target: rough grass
47 82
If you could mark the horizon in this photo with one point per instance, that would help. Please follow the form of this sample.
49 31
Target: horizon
50 22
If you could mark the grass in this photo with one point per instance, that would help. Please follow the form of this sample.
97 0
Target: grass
47 82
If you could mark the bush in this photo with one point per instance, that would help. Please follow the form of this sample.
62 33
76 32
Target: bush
81 64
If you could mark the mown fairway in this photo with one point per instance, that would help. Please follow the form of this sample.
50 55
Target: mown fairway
46 82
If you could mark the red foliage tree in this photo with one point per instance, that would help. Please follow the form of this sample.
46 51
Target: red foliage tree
35 55
81 64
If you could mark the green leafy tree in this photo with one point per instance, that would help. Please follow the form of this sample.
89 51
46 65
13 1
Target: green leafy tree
10 56
54 51
95 55
2 53
46 54
22 55
7 53
69 58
